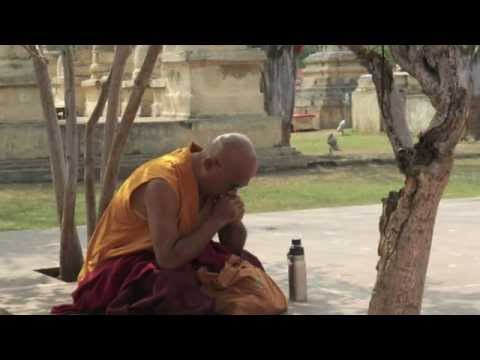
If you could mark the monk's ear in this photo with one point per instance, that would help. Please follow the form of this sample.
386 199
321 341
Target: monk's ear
209 164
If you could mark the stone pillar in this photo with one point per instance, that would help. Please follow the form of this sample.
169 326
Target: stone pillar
102 58
202 81
146 106
158 86
330 77
52 54
366 116
419 108
82 62
366 113
19 93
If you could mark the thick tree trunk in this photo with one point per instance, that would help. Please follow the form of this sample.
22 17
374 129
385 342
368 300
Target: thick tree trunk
113 164
278 83
408 219
71 258
90 158
406 230
122 52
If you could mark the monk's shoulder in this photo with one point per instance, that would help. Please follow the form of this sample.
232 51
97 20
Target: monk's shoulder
158 192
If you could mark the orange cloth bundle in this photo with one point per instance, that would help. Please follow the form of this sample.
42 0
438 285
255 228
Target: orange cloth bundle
243 289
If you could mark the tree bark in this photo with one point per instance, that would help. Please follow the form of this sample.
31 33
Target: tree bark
278 83
55 145
408 219
113 164
406 230
90 158
122 52
71 257
56 150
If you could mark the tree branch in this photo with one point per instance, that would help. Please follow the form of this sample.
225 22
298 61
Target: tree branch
122 52
90 155
391 102
113 164
419 62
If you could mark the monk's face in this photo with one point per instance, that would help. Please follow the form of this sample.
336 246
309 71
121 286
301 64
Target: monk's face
227 175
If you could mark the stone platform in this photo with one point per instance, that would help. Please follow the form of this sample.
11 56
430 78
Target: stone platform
340 245
27 160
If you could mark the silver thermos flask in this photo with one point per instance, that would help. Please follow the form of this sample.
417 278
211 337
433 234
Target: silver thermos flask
297 272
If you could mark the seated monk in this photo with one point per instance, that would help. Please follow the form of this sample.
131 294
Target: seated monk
158 230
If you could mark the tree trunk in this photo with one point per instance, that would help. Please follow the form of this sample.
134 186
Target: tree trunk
70 247
122 53
55 145
71 257
90 158
408 219
113 164
406 230
278 83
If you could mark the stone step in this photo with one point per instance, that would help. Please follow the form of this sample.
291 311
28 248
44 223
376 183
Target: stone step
38 170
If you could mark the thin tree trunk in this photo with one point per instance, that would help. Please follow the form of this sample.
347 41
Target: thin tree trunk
71 258
113 164
90 158
278 80
122 53
55 146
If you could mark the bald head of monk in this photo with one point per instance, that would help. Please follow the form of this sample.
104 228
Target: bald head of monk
226 164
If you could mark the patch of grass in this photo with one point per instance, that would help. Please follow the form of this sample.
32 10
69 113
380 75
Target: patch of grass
357 185
26 206
31 206
354 144
315 143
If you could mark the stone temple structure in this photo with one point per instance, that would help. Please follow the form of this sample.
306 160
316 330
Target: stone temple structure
196 92
329 78
336 87
366 113
19 95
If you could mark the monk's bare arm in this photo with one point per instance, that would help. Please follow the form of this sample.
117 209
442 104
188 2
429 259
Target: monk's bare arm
162 216
233 236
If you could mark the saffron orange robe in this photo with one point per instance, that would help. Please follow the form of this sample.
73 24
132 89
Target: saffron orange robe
121 231
120 274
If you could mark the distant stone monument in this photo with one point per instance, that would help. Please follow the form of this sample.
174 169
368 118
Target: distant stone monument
19 94
138 57
82 55
329 78
202 81
365 109
366 116
101 61
196 93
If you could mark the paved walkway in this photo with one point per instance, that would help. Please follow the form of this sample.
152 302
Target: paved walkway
340 245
